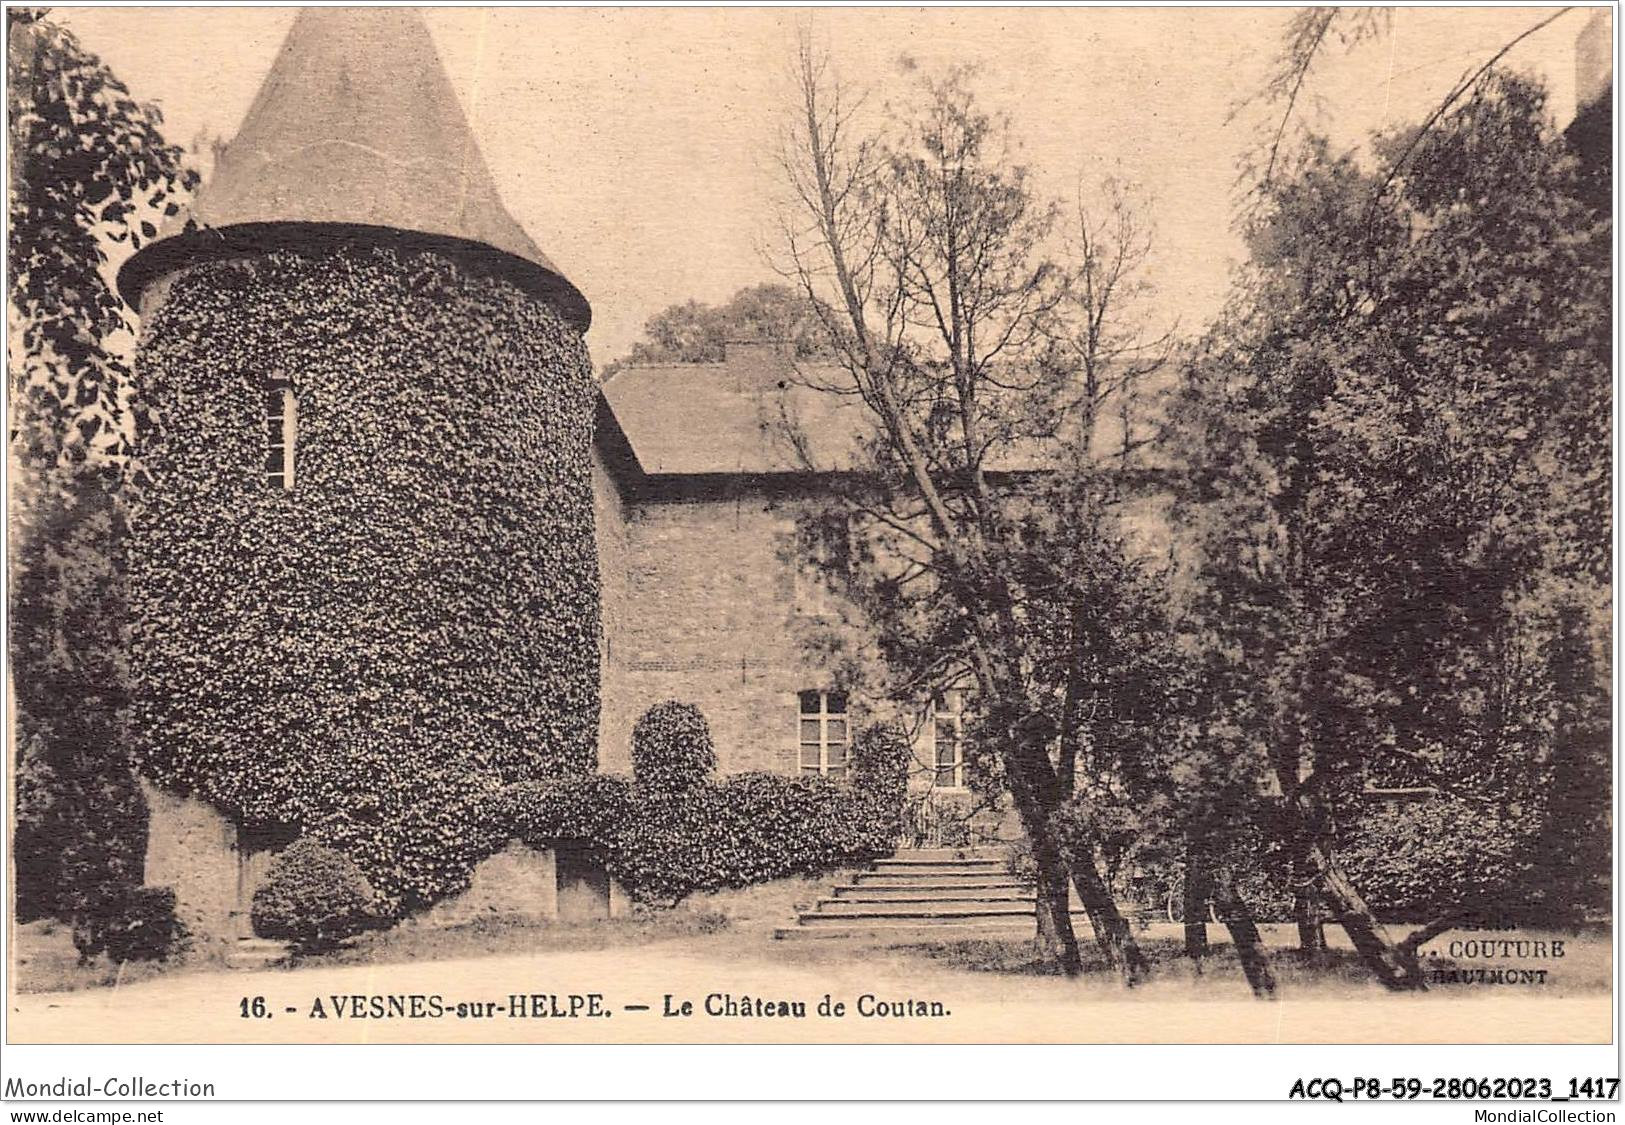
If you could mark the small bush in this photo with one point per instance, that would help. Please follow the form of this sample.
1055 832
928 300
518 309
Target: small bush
672 751
139 925
1416 861
313 897
934 819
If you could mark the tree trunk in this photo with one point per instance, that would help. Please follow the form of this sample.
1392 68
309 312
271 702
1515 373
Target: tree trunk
1198 888
1055 936
1392 966
1311 933
1238 919
1306 908
1034 796
1112 932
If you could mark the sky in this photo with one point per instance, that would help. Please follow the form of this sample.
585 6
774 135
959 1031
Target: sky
636 145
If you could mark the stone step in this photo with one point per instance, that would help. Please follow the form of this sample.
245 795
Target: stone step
1015 892
846 908
931 878
939 865
922 912
933 892
255 953
882 868
911 890
937 855
896 932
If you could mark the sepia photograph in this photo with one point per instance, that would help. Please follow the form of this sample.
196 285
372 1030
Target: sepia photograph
846 525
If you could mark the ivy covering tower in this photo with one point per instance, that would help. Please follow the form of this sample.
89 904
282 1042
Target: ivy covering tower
363 576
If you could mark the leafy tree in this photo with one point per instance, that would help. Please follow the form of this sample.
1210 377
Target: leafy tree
1305 39
1396 488
1112 358
89 170
694 332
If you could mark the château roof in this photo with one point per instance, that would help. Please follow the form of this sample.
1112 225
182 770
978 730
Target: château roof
763 412
688 419
356 133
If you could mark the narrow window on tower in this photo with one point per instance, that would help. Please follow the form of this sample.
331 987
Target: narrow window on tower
281 432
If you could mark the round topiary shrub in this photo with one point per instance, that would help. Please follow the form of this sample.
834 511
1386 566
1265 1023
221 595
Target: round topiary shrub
313 897
672 751
373 652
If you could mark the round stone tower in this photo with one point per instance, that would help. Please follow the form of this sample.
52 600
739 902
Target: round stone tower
364 587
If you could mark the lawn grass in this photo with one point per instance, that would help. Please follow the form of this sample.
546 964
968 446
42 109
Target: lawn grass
47 962
43 959
740 915
740 924
498 935
1586 967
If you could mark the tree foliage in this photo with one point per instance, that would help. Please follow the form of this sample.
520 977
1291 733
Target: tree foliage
89 170
1396 483
81 826
983 363
694 332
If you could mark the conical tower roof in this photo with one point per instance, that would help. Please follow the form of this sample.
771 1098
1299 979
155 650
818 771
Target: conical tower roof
357 133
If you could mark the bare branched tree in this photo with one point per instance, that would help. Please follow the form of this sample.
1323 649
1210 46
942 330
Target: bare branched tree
1117 354
926 254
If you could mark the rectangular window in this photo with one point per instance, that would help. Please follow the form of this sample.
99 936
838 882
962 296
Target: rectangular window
823 733
947 725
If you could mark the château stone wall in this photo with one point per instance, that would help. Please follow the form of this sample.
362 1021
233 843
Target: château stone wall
192 849
711 612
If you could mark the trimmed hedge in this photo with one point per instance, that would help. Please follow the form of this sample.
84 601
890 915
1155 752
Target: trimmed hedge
374 654
749 828
588 808
313 897
664 844
672 751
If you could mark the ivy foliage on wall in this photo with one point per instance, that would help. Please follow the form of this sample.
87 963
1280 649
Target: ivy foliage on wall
373 654
664 841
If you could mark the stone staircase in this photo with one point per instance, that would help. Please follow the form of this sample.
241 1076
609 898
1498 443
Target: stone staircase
925 894
251 953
